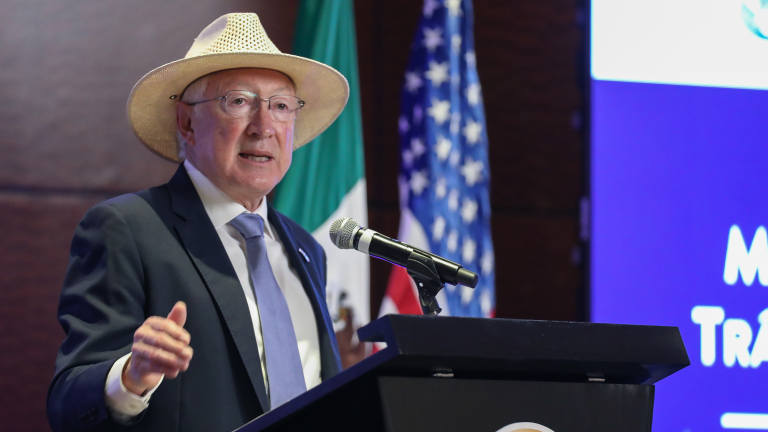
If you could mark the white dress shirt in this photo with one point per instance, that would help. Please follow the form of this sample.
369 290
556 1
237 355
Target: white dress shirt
221 210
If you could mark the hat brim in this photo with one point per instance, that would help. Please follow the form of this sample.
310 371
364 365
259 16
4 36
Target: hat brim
152 106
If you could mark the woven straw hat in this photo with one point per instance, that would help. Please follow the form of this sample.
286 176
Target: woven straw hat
235 40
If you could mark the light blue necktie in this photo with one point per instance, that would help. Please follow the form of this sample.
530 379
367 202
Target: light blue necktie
284 372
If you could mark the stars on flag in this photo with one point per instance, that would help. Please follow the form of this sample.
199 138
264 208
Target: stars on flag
413 82
453 241
453 200
472 131
443 147
429 7
453 6
419 181
403 124
417 147
408 158
455 158
473 94
486 262
470 59
468 249
455 123
433 38
437 73
440 110
441 188
466 295
469 210
438 229
456 42
472 171
486 302
403 186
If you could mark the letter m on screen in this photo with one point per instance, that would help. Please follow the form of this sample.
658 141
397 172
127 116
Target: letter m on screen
749 262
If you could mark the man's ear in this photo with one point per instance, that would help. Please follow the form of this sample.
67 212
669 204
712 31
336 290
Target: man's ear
184 122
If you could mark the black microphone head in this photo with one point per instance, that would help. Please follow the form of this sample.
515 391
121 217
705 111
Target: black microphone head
467 278
343 231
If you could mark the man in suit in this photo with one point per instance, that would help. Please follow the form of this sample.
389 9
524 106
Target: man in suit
194 305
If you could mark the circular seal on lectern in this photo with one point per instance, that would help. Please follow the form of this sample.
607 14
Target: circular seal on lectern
525 427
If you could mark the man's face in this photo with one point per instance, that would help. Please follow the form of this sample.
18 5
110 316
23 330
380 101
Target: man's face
244 157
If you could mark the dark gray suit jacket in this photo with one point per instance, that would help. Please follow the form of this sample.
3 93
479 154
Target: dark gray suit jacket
137 255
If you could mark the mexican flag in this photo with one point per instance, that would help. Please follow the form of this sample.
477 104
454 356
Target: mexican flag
327 176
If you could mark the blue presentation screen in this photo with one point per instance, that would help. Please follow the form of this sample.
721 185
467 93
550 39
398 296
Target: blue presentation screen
679 195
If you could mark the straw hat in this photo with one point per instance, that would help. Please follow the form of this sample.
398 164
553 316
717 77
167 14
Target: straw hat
235 40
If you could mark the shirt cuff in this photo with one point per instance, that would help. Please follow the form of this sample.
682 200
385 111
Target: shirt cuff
122 404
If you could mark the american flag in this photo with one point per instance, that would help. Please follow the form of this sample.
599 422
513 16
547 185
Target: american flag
444 176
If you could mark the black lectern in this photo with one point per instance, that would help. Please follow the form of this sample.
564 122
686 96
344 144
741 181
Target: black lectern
472 374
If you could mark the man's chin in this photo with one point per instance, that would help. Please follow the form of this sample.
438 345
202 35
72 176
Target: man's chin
251 194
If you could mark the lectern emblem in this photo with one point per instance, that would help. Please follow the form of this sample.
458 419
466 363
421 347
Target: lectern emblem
525 427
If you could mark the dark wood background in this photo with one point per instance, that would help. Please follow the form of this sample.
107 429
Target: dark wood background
66 69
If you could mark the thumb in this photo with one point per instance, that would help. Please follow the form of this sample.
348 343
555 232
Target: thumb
178 313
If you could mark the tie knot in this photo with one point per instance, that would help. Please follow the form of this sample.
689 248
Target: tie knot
250 225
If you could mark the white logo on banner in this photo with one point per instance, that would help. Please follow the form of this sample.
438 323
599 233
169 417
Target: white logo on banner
749 262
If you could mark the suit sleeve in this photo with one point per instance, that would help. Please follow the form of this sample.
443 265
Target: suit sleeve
101 306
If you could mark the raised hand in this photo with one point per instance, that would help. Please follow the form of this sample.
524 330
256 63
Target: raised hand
160 347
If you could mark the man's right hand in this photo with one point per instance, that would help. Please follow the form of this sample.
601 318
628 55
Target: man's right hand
160 347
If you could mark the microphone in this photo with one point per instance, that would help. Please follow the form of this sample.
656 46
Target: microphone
348 234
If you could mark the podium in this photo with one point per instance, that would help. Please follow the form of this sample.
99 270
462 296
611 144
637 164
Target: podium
473 374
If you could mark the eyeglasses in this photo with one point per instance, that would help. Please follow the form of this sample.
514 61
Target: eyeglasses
241 103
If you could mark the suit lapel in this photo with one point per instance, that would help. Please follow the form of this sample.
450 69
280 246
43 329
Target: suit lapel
208 255
312 284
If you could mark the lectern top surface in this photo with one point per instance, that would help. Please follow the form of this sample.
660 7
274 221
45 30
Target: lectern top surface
551 350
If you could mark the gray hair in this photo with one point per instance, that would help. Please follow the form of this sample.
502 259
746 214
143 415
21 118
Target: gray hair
193 93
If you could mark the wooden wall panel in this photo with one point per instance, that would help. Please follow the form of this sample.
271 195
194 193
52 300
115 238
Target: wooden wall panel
37 231
527 56
536 277
68 68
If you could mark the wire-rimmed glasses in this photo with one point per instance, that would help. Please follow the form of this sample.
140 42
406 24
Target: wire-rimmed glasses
242 103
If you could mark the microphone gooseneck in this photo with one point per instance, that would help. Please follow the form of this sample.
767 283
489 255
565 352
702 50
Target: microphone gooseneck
347 234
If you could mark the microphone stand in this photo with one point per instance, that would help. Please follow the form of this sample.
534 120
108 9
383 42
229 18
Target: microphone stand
422 269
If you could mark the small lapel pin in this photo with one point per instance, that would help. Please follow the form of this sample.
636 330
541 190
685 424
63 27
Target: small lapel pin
304 254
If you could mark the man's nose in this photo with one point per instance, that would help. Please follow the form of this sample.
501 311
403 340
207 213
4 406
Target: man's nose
261 122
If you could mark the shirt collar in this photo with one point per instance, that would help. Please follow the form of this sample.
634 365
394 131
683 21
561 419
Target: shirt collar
221 208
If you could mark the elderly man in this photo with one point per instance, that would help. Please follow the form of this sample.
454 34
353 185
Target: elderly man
194 305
